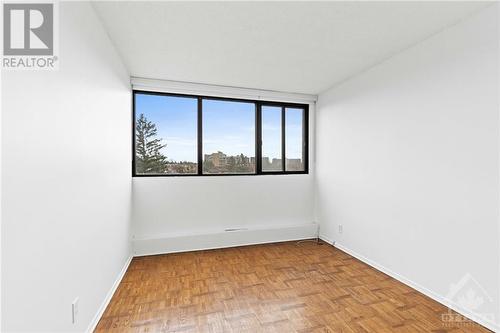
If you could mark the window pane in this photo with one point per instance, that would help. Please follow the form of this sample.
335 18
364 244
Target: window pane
271 139
228 137
294 139
165 134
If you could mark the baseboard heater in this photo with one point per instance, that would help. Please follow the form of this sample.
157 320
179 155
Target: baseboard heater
235 229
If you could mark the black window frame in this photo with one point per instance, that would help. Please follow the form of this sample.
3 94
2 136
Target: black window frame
258 135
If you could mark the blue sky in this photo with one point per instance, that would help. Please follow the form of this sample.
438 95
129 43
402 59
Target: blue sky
271 132
227 126
176 122
293 133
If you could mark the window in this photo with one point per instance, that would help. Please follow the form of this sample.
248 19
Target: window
272 152
165 135
294 133
228 137
182 135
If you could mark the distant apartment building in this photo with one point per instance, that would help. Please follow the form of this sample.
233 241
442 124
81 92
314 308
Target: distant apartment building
271 165
220 160
217 159
276 164
239 159
294 164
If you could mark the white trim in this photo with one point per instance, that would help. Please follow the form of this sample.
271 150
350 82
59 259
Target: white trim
498 161
218 91
327 240
221 239
300 232
1 116
93 324
429 293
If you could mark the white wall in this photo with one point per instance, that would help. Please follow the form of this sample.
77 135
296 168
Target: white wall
408 161
186 205
171 208
66 180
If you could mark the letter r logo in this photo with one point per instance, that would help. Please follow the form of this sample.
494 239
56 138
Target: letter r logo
28 29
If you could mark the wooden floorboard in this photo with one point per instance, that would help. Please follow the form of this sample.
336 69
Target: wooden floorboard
280 287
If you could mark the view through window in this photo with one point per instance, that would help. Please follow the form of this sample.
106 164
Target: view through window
228 137
165 134
193 135
294 139
272 159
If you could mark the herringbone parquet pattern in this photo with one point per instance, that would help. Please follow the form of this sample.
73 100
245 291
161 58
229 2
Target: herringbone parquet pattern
282 287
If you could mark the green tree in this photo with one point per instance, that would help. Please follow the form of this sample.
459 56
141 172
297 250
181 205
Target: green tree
148 157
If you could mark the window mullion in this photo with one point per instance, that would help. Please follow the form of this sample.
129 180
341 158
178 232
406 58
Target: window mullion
283 134
258 138
200 136
305 139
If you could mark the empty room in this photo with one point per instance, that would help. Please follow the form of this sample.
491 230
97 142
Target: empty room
264 166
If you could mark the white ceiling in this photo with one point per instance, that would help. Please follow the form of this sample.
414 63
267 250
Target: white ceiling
285 46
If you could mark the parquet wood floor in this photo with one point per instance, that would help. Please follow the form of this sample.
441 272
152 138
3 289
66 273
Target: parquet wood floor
280 287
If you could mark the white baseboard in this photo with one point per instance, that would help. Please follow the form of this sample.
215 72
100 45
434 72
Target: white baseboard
222 239
150 246
327 240
259 236
438 298
107 299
